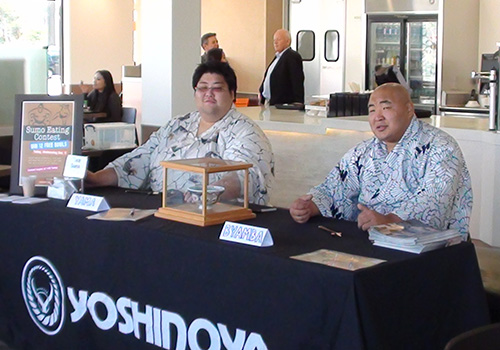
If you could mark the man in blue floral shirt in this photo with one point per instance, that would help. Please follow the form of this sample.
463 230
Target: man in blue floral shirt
409 170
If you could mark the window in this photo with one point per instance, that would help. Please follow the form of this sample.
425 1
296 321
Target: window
305 44
31 29
332 46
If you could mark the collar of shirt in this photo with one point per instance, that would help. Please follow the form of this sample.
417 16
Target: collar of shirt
279 54
412 129
217 124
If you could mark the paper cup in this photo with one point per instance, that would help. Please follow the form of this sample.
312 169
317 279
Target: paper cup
28 183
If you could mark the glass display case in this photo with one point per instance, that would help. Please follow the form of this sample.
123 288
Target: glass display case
205 191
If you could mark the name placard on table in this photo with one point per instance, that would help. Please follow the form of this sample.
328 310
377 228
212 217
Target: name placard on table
87 202
75 166
246 234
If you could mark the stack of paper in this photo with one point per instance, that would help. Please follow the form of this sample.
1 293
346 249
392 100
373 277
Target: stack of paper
338 259
412 236
122 214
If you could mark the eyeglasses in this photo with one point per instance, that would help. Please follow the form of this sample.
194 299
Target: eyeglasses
213 89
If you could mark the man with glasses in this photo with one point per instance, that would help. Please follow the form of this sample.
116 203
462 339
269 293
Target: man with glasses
215 130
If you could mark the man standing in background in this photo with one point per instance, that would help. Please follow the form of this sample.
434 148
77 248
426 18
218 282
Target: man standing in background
208 41
284 78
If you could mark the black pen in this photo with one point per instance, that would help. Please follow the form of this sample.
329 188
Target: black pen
142 192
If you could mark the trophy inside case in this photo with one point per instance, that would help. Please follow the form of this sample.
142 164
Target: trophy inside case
205 191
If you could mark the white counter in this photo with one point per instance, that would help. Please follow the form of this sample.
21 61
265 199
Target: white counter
306 148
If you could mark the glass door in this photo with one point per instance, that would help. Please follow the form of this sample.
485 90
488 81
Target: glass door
421 61
31 29
384 47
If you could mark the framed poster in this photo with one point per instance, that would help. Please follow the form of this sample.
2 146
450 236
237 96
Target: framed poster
46 130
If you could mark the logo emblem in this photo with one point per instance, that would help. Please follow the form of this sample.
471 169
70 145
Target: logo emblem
43 293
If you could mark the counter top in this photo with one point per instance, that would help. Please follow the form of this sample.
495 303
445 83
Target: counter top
272 118
307 147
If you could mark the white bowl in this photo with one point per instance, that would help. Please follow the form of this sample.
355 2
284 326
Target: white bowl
472 104
213 194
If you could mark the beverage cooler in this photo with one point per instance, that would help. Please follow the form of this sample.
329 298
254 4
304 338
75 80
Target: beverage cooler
407 40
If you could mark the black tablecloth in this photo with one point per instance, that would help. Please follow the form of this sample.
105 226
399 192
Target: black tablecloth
219 292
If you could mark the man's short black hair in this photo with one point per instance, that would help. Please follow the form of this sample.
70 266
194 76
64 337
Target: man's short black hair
214 67
214 54
204 38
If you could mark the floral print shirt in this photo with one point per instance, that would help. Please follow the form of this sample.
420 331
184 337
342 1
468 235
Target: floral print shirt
234 137
424 178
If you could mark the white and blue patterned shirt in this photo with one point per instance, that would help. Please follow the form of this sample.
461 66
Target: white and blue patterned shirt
234 137
424 177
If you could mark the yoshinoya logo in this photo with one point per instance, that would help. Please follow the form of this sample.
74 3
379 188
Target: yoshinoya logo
43 293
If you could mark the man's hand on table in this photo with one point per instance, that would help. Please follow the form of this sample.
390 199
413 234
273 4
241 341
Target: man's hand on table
303 208
368 218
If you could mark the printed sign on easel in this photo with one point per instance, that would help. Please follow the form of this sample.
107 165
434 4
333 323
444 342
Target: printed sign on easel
46 130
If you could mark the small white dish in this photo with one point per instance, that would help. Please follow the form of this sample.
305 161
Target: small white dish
213 194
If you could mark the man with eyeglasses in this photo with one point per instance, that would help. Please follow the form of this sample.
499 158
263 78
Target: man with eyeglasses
215 130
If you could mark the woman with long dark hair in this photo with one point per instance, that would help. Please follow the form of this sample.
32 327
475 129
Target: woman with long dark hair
103 97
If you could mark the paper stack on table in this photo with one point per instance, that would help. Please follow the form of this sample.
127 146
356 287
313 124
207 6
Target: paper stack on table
122 214
412 236
338 259
21 199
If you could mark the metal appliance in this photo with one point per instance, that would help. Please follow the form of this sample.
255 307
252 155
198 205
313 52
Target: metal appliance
404 33
458 103
488 80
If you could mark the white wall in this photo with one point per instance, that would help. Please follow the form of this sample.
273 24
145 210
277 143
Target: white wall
170 53
460 44
244 30
354 42
489 27
97 35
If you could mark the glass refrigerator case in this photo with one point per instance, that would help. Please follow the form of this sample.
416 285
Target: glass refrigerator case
408 42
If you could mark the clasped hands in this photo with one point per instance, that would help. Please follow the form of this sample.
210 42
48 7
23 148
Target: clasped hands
303 208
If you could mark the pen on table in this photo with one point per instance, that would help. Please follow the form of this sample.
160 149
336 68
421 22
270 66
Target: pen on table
334 233
265 210
132 212
141 192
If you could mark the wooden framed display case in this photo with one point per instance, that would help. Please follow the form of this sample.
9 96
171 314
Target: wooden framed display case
205 191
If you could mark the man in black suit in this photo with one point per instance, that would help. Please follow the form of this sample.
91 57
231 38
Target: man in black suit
284 78
208 41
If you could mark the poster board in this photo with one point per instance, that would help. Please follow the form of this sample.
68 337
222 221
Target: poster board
46 130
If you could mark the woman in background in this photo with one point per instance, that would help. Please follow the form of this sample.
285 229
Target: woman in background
103 97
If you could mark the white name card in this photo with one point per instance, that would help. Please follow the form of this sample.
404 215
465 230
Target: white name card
75 166
246 234
87 202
